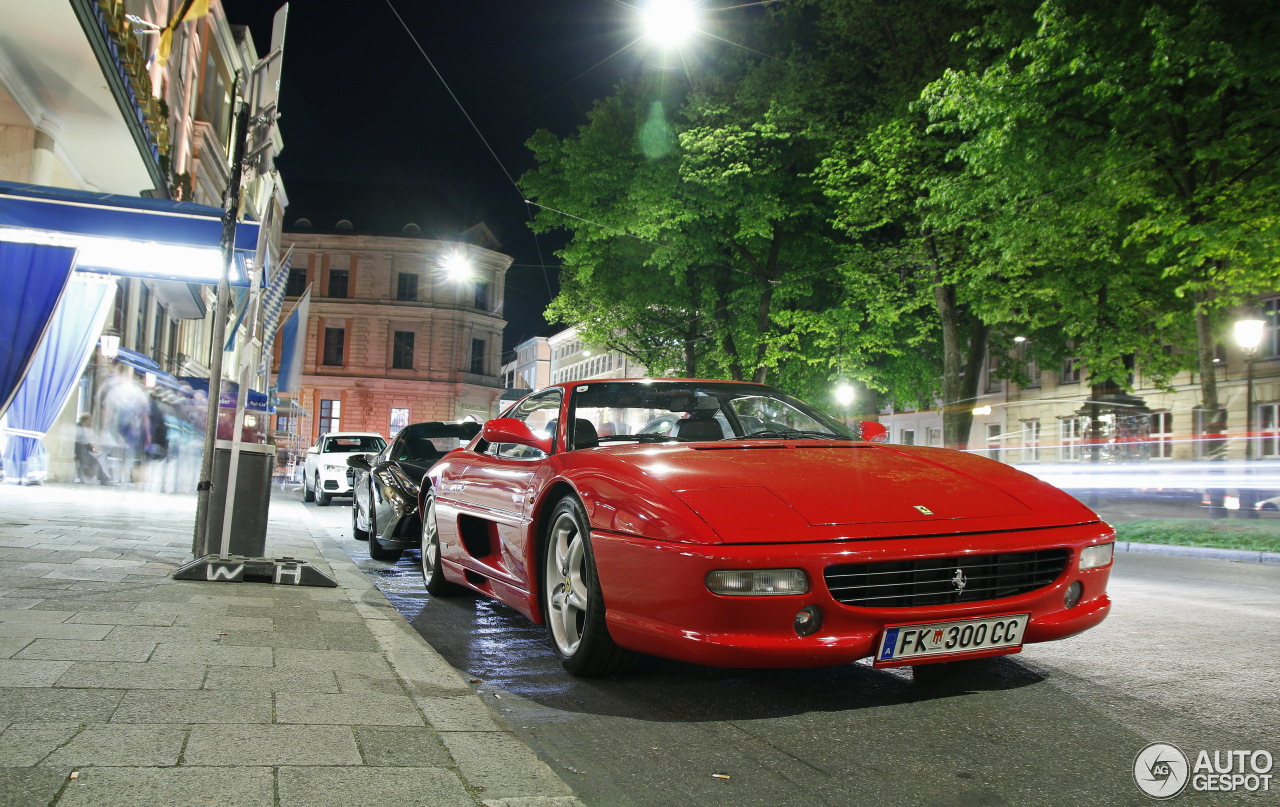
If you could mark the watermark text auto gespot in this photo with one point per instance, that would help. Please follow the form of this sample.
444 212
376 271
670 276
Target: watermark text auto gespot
1162 771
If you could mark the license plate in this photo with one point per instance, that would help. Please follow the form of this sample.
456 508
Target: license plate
900 643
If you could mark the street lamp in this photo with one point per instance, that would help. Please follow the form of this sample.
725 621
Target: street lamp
1248 333
457 267
669 23
844 395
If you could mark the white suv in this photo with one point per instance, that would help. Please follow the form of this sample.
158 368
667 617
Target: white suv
324 473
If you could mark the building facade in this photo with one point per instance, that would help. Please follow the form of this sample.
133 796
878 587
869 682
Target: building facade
86 103
1043 422
391 339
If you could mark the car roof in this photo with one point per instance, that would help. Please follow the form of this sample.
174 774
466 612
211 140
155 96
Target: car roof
352 434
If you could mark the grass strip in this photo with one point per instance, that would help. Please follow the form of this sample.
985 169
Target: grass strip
1256 536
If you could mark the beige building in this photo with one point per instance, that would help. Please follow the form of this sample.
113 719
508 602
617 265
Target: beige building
391 338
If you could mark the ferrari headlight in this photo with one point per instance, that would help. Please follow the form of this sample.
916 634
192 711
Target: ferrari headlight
406 484
1093 557
758 582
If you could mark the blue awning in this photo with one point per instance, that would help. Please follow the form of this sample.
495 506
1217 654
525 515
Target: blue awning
126 235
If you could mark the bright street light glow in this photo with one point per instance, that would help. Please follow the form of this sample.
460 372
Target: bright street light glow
457 267
844 394
982 410
1249 333
669 23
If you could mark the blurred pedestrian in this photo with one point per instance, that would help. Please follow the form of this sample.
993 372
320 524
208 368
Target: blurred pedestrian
88 465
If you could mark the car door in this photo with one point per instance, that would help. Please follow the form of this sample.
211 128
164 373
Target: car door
488 497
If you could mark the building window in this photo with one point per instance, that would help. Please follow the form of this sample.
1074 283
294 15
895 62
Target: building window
334 339
287 423
994 384
482 295
297 283
933 436
907 437
1268 430
1033 375
330 414
1070 433
1270 347
993 441
477 356
402 350
1031 440
338 282
1070 371
406 286
1161 435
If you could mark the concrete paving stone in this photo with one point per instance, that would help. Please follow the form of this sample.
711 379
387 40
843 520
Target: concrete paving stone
222 622
37 585
20 603
172 635
27 615
53 630
463 713
9 647
372 664
358 684
371 787
85 607
211 744
18 673
121 618
296 640
535 801
108 563
25 744
200 706
19 705
132 675
26 787
170 787
346 709
501 766
339 616
176 609
76 650
248 599
221 654
396 746
117 745
74 574
271 679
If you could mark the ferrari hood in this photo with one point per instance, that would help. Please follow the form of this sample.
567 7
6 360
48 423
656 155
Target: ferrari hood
741 489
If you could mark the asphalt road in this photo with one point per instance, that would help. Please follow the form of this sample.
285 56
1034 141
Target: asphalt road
1189 657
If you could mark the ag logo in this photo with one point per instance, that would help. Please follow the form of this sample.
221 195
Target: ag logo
1160 770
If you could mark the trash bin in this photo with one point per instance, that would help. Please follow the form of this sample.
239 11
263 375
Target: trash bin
253 496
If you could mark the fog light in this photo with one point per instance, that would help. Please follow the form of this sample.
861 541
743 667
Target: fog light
808 620
1073 594
1093 557
758 582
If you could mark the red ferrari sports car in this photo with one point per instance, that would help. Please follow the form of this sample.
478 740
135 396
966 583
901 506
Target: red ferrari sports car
729 524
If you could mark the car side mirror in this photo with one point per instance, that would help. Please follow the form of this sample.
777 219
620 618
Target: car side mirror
512 430
873 431
358 461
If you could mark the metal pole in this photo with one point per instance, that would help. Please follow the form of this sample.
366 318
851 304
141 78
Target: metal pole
1248 408
231 208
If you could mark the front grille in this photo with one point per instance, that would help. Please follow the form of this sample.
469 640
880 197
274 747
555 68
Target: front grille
931 581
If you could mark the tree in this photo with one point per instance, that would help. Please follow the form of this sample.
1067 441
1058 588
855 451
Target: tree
1139 140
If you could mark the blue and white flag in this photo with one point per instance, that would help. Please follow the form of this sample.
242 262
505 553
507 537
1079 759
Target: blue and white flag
272 302
293 341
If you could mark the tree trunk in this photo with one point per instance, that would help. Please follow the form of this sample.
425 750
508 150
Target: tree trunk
960 369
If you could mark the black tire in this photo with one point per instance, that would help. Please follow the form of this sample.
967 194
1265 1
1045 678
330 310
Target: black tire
572 602
308 494
322 498
356 532
432 572
376 550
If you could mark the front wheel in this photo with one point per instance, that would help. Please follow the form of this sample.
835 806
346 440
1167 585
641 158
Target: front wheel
322 498
308 492
572 602
432 574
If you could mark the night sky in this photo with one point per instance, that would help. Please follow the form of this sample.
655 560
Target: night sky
360 103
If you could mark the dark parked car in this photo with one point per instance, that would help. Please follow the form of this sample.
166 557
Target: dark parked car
385 487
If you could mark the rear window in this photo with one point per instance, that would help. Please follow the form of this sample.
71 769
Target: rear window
344 444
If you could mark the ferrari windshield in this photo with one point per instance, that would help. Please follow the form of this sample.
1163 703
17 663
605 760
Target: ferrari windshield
652 411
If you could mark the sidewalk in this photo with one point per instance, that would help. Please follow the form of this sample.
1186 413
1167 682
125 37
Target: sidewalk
122 686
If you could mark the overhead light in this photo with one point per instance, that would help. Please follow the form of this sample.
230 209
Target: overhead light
982 410
124 256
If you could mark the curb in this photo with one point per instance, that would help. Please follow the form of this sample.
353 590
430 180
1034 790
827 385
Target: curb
1205 552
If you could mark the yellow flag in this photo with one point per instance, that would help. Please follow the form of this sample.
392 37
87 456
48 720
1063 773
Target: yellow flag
190 10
